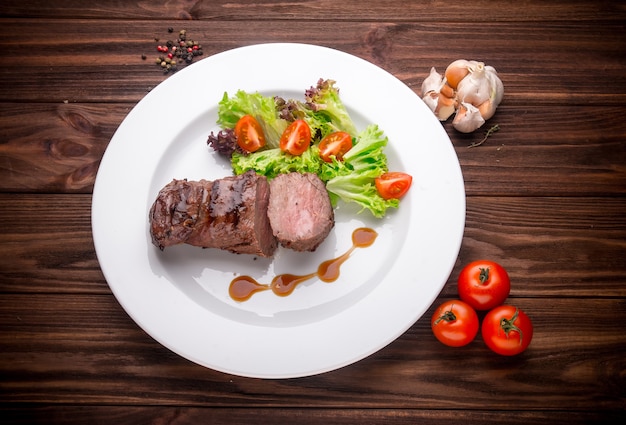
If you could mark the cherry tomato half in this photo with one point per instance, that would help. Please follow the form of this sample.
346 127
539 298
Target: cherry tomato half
393 185
335 144
484 284
296 138
249 134
455 323
507 330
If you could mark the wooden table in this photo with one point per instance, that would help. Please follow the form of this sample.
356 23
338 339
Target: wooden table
546 197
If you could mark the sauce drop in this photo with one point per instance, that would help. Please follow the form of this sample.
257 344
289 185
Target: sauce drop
242 288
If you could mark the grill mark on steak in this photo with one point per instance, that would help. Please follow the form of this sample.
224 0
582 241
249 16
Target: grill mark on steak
200 235
231 223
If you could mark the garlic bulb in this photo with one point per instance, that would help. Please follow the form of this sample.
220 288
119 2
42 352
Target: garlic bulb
469 88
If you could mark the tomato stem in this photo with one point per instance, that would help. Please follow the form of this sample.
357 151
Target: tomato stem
448 316
507 326
484 275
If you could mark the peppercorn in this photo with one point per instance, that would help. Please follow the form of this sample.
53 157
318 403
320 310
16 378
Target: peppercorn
181 50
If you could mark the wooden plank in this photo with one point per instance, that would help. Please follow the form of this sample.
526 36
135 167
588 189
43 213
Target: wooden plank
47 245
131 415
551 247
327 10
537 68
83 349
61 147
55 147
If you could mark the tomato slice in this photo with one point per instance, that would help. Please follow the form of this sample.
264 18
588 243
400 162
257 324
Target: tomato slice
296 138
335 144
393 185
249 134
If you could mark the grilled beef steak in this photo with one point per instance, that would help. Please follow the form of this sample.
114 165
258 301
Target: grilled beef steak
230 214
300 212
243 214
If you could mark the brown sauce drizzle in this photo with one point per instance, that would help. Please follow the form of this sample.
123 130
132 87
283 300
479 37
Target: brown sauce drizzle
242 288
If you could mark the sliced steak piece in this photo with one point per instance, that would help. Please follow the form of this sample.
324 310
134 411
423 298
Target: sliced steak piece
175 211
238 215
300 211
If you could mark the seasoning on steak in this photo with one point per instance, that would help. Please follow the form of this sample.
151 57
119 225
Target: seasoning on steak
229 213
300 211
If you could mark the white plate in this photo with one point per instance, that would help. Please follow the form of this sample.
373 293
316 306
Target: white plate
180 296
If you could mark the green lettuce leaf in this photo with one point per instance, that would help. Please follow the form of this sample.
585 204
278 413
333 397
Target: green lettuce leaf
353 179
263 108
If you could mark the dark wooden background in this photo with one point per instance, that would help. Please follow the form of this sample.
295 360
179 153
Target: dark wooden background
546 197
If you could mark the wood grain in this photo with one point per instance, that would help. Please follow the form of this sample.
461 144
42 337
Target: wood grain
71 66
130 415
537 152
59 349
318 10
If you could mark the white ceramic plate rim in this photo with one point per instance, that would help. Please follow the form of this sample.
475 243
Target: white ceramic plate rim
425 233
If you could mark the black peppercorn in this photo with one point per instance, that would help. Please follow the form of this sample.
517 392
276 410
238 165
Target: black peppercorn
181 50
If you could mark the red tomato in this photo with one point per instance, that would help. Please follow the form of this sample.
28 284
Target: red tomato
335 144
484 284
507 330
393 185
296 138
455 323
249 134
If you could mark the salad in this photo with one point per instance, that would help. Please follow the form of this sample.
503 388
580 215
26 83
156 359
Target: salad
272 135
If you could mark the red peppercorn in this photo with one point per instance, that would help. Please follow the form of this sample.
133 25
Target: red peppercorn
169 55
189 49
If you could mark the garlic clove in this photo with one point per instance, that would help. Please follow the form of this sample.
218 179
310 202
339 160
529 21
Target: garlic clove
432 83
445 107
456 72
447 91
431 99
487 109
467 118
497 88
